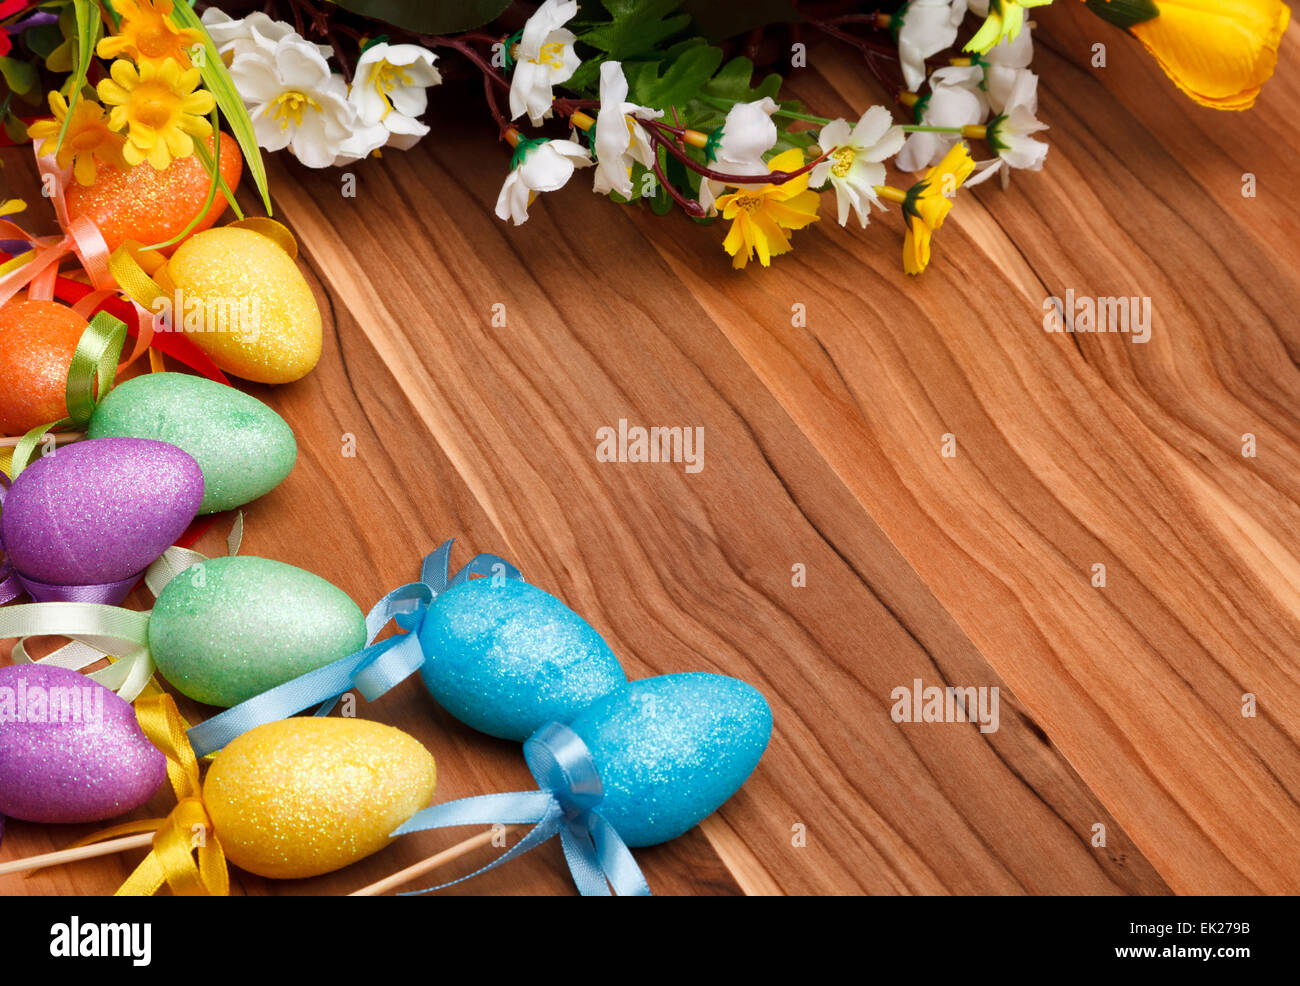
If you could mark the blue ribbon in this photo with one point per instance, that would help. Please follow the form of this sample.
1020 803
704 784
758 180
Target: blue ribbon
569 793
372 670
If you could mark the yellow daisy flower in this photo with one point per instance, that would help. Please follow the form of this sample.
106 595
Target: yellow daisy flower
158 108
89 137
761 216
11 206
147 34
926 204
1004 21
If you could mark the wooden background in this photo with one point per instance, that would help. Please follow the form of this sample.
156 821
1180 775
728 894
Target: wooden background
1120 705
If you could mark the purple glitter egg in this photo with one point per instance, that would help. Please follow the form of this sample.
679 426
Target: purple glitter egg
100 510
70 750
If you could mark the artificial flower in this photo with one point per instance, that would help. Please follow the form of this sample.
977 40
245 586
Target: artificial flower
854 167
926 204
89 138
147 35
158 107
955 100
1010 133
10 207
538 166
620 139
1004 20
1219 52
294 100
923 28
1004 64
389 89
545 58
230 35
738 146
761 216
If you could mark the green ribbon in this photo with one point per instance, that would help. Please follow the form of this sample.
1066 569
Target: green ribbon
90 378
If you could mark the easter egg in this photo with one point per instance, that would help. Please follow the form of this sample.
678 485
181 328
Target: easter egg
70 750
37 340
505 657
306 796
270 331
228 629
99 511
243 447
150 206
670 750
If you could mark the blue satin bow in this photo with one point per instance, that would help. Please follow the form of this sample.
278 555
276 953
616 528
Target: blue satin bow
372 671
569 793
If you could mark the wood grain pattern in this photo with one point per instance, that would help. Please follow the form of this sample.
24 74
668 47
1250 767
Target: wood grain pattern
1120 705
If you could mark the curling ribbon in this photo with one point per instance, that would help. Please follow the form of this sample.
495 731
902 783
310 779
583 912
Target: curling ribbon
186 853
566 803
373 670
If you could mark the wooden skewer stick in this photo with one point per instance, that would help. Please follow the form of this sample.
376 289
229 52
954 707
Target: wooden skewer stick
60 438
142 841
425 865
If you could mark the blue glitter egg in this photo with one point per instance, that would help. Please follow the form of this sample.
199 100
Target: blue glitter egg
670 750
505 657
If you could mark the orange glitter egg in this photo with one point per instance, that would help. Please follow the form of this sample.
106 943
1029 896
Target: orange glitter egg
37 340
151 206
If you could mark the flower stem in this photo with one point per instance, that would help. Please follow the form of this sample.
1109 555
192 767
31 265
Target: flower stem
726 104
890 193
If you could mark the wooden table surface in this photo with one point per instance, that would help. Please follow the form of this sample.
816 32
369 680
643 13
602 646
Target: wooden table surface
1120 705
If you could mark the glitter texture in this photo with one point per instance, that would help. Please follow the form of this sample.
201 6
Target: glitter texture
99 511
671 750
85 767
228 629
301 797
243 447
505 657
151 206
231 266
37 340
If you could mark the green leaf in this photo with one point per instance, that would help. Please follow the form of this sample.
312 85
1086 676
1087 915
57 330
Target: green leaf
87 20
685 76
210 163
637 27
21 77
426 17
1123 13
718 19
42 40
216 78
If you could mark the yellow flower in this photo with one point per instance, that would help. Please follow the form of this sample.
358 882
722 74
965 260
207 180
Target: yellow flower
10 206
761 216
158 108
927 203
88 137
1004 21
1219 52
148 35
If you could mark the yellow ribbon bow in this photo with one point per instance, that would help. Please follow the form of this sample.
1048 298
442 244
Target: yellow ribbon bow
186 853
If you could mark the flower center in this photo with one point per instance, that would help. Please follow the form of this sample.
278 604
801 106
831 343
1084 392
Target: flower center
155 41
842 161
551 55
750 203
153 104
289 106
386 77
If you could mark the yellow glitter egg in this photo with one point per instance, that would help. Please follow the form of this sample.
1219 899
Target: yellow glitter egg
242 300
307 796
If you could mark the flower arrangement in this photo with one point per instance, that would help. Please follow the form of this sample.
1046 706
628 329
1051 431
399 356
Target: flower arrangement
652 102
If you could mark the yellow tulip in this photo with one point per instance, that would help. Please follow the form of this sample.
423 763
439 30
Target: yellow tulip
1219 52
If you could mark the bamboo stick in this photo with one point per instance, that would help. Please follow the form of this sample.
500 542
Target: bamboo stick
142 841
425 865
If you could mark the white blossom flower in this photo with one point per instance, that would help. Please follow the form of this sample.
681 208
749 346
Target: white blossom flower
257 28
854 167
539 166
1009 133
545 58
1003 64
745 136
955 100
620 140
390 89
923 28
294 100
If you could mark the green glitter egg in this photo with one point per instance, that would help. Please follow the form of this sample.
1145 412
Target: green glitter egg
243 447
227 629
